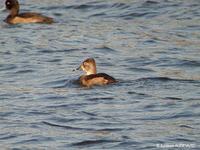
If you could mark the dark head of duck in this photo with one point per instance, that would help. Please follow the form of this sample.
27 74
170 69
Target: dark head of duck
13 6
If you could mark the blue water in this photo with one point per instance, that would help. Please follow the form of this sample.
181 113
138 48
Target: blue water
151 47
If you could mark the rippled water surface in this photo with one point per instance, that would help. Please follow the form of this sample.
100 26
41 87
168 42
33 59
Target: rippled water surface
151 47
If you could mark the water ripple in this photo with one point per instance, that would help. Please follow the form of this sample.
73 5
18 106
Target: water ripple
151 47
66 127
93 142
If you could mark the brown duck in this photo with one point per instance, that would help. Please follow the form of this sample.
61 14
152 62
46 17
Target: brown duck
15 17
91 77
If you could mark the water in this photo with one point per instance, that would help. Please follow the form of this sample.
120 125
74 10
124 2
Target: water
151 47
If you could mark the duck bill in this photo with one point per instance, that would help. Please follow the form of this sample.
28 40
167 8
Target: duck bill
79 68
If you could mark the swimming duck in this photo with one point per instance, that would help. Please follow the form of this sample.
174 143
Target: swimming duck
92 77
15 18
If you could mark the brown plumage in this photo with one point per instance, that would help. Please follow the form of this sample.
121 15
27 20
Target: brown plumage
15 18
92 77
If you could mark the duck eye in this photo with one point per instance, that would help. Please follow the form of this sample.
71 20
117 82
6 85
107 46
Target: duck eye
84 64
7 3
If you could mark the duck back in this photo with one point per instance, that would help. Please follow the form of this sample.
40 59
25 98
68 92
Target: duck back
96 79
29 18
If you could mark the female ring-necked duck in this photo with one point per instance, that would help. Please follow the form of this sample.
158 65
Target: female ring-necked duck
92 77
15 18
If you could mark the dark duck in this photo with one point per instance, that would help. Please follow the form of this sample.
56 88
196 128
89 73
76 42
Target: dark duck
15 17
91 77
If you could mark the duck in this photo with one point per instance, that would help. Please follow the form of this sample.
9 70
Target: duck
91 77
17 18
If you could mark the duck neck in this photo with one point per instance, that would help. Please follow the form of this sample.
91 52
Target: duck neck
14 12
93 71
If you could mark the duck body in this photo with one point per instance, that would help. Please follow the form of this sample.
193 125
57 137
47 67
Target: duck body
28 18
91 77
96 79
15 17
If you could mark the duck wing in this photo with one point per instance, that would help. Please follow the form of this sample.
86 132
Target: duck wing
101 75
29 14
37 16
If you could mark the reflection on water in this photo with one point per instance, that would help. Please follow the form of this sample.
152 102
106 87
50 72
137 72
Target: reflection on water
151 47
